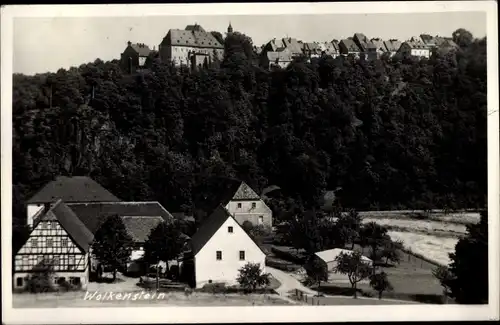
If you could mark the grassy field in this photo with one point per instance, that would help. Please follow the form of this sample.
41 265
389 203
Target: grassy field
461 218
411 280
434 248
433 237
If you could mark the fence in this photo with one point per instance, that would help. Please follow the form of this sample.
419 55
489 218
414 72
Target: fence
310 300
417 259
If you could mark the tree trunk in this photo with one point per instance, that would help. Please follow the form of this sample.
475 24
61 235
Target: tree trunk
114 275
158 275
355 290
380 295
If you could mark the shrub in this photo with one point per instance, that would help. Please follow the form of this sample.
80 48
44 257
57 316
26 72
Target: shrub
297 258
251 277
214 288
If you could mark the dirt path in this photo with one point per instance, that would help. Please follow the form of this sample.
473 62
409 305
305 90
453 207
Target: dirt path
288 282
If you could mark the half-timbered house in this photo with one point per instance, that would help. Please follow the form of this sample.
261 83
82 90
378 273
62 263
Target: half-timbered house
59 241
62 232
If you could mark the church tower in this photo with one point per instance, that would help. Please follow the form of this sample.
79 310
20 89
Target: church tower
229 28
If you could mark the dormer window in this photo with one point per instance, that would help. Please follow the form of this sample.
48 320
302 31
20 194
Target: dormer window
239 205
254 205
230 229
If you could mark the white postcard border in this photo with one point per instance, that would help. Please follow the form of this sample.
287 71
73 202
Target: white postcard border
249 314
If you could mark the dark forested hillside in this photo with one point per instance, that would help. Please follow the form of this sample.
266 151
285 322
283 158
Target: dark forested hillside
399 133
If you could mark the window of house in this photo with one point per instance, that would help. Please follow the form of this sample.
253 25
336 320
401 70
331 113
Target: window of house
53 225
239 205
71 260
230 229
49 242
219 255
19 282
242 255
254 205
34 242
64 242
44 225
261 219
74 281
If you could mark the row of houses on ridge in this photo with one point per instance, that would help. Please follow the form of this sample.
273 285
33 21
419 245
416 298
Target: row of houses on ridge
283 52
66 213
194 47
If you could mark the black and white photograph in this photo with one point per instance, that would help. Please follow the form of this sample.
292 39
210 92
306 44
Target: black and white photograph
162 161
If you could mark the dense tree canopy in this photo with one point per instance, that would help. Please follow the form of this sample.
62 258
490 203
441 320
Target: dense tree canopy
393 133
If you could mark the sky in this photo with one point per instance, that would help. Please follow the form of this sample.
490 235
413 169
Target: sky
48 44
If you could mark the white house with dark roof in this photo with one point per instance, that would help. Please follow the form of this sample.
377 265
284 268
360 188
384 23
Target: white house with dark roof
348 47
76 189
280 58
192 46
392 46
416 48
329 48
220 248
134 56
380 48
293 45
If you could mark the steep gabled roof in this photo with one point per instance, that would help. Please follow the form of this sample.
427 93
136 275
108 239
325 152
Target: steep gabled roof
70 223
224 190
392 45
416 45
141 49
293 45
73 189
245 192
94 214
209 228
379 44
350 45
139 228
191 38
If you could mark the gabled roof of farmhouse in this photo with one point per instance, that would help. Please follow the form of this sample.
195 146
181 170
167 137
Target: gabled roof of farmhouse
193 37
73 189
416 45
350 45
379 44
139 228
224 190
94 214
141 48
74 227
361 37
292 44
392 45
210 227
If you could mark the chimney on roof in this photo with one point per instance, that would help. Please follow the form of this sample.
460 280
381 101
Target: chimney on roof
129 43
